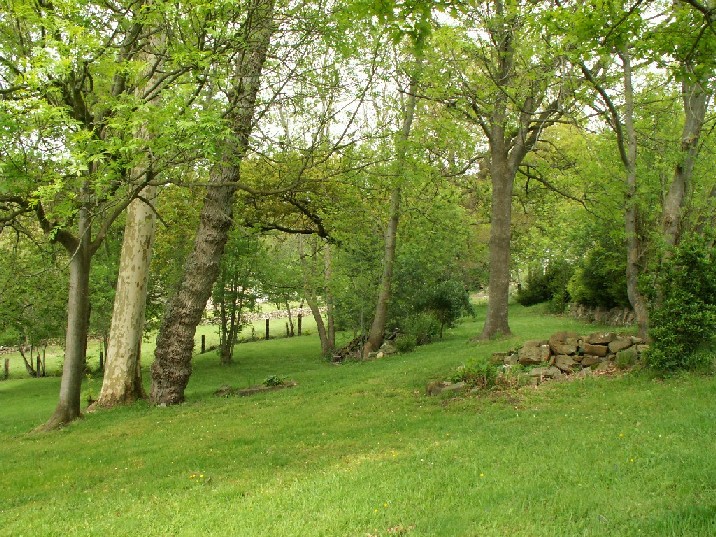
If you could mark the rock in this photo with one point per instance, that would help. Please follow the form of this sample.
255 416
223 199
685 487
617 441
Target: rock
499 358
379 354
435 387
620 344
641 349
553 372
388 348
637 340
596 350
453 388
535 343
537 372
605 367
601 338
589 360
512 359
224 391
564 363
564 342
533 354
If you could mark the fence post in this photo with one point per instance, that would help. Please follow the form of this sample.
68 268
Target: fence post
7 367
267 328
300 318
203 343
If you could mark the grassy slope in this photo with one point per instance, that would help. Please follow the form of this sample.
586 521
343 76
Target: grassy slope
358 450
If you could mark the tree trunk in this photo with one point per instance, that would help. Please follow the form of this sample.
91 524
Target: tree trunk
496 322
172 363
695 101
633 243
68 407
122 377
172 358
380 317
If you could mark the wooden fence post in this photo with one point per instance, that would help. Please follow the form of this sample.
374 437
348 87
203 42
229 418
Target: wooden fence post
300 318
7 367
267 328
203 343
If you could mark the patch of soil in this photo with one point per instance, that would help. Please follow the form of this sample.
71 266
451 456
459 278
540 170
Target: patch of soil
226 391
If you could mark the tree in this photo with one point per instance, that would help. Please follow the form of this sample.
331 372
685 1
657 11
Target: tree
509 80
172 365
236 287
70 69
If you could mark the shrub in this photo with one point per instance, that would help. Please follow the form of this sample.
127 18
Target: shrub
548 285
683 318
599 280
422 327
405 343
447 302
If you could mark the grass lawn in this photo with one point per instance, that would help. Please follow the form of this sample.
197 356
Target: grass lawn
358 450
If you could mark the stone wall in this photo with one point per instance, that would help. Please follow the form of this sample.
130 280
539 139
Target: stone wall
567 353
611 317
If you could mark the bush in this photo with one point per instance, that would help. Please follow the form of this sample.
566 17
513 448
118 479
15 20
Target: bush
422 328
405 343
683 318
599 280
447 302
548 285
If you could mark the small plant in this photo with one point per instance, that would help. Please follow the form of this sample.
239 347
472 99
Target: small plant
405 343
273 380
480 375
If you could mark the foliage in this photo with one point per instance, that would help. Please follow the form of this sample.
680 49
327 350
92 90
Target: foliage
448 301
684 313
547 285
599 278
422 328
273 380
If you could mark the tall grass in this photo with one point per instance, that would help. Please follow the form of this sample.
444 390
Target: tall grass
358 449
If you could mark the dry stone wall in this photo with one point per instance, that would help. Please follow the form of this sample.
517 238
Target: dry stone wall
567 353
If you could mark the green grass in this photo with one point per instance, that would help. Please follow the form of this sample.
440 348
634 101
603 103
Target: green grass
357 450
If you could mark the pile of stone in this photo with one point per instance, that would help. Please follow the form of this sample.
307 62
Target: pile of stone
566 353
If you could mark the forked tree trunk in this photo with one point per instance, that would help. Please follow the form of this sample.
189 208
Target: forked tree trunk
68 407
122 382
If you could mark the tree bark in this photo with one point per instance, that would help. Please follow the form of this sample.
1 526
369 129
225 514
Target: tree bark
695 100
380 317
502 178
122 383
633 242
172 358
172 363
68 407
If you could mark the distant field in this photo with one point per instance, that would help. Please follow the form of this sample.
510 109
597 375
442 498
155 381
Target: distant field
359 450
